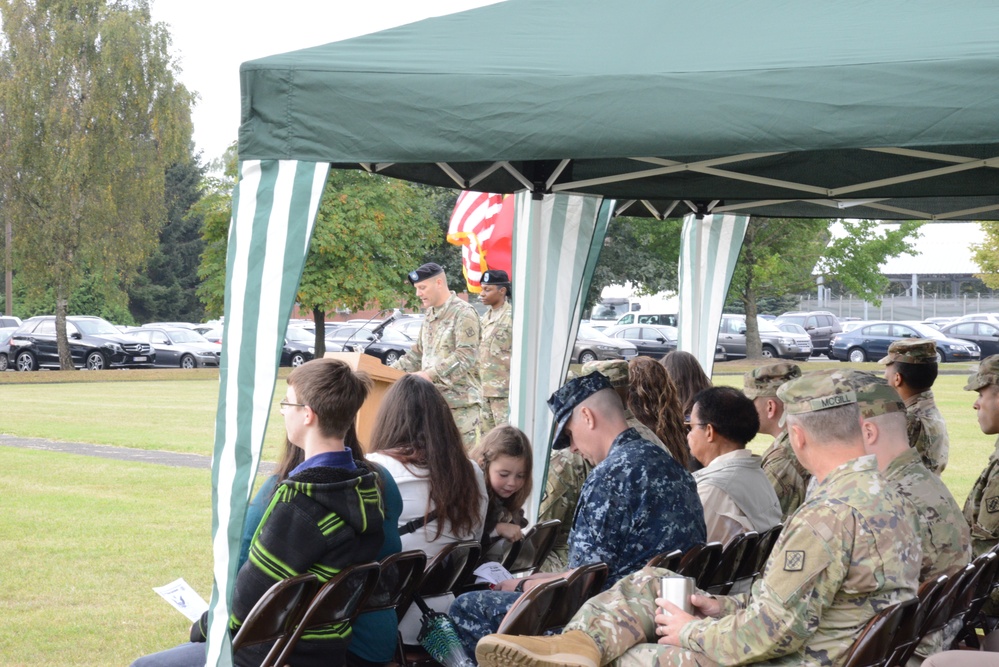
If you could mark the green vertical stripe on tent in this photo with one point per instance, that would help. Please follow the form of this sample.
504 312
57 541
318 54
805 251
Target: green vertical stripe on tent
709 248
556 243
274 209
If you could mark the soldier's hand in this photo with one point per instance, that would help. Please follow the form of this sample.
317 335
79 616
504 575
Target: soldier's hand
706 605
510 531
670 621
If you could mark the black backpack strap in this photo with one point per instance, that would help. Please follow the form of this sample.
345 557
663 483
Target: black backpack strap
413 525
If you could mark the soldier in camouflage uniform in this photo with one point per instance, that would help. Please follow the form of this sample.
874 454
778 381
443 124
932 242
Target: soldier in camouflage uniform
567 470
494 351
782 468
638 501
911 368
447 349
845 554
944 536
981 509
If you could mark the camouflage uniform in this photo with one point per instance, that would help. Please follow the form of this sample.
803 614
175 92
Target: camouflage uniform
446 350
844 555
494 365
926 426
981 509
788 477
928 431
637 503
785 472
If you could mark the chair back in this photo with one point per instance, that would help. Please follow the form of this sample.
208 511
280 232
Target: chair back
527 616
448 569
719 580
988 569
669 560
873 647
276 614
399 575
534 548
338 601
768 540
700 561
581 584
939 612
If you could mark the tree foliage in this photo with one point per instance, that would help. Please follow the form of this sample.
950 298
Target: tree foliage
986 254
642 251
780 256
92 118
370 232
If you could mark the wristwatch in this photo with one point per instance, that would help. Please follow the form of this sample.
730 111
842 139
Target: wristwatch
519 588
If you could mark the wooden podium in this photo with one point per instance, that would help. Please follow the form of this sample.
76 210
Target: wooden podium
382 376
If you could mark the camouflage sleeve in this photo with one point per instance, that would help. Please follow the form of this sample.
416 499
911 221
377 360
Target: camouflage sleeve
413 360
801 578
463 359
985 523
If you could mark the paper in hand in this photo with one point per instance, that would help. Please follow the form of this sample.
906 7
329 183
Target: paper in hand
491 573
183 598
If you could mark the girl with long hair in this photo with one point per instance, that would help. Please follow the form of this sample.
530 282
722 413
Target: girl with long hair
505 456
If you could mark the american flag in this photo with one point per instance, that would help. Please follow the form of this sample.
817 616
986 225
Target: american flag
482 224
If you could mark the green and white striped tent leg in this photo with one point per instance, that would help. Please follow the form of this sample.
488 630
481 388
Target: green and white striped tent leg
556 244
274 208
709 248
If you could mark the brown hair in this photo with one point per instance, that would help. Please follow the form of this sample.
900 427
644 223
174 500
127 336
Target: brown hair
506 440
333 391
414 426
653 399
687 375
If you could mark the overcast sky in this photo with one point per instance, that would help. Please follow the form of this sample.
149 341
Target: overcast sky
212 37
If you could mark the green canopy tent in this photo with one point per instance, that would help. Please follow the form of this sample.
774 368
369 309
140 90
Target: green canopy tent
587 108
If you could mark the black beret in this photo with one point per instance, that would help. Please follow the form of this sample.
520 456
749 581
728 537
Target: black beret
428 270
495 277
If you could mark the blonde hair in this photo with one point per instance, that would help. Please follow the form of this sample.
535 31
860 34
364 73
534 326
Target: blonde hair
506 440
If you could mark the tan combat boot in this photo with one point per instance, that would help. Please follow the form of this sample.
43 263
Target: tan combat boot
572 649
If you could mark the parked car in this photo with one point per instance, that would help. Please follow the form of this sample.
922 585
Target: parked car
651 341
821 326
179 348
392 345
211 332
850 325
348 335
8 321
983 334
299 347
5 334
939 322
167 325
592 345
94 343
409 325
640 317
870 342
776 343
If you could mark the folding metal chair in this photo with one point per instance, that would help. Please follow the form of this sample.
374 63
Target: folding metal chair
873 647
529 553
699 561
722 577
275 615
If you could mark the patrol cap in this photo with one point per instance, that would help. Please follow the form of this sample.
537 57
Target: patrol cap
495 277
911 351
874 396
568 396
428 270
616 371
765 380
988 373
818 390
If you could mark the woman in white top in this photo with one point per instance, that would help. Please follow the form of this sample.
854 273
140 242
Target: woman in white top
415 438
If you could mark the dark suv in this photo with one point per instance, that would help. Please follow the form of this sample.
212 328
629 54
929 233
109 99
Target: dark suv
820 325
95 344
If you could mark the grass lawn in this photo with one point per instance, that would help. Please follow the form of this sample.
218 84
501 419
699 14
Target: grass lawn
83 540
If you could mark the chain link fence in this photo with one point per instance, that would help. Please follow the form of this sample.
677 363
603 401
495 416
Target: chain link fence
904 307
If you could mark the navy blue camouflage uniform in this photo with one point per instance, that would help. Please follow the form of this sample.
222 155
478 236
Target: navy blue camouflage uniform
637 503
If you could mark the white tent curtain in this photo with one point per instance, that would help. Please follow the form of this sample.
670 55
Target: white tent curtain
556 244
709 248
274 209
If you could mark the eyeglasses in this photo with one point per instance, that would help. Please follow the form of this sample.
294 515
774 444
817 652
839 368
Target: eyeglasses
690 425
288 404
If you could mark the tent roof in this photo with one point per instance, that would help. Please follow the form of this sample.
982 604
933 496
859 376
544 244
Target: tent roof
768 107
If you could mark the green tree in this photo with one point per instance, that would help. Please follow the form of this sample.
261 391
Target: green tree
166 289
986 254
642 251
92 118
369 232
781 256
